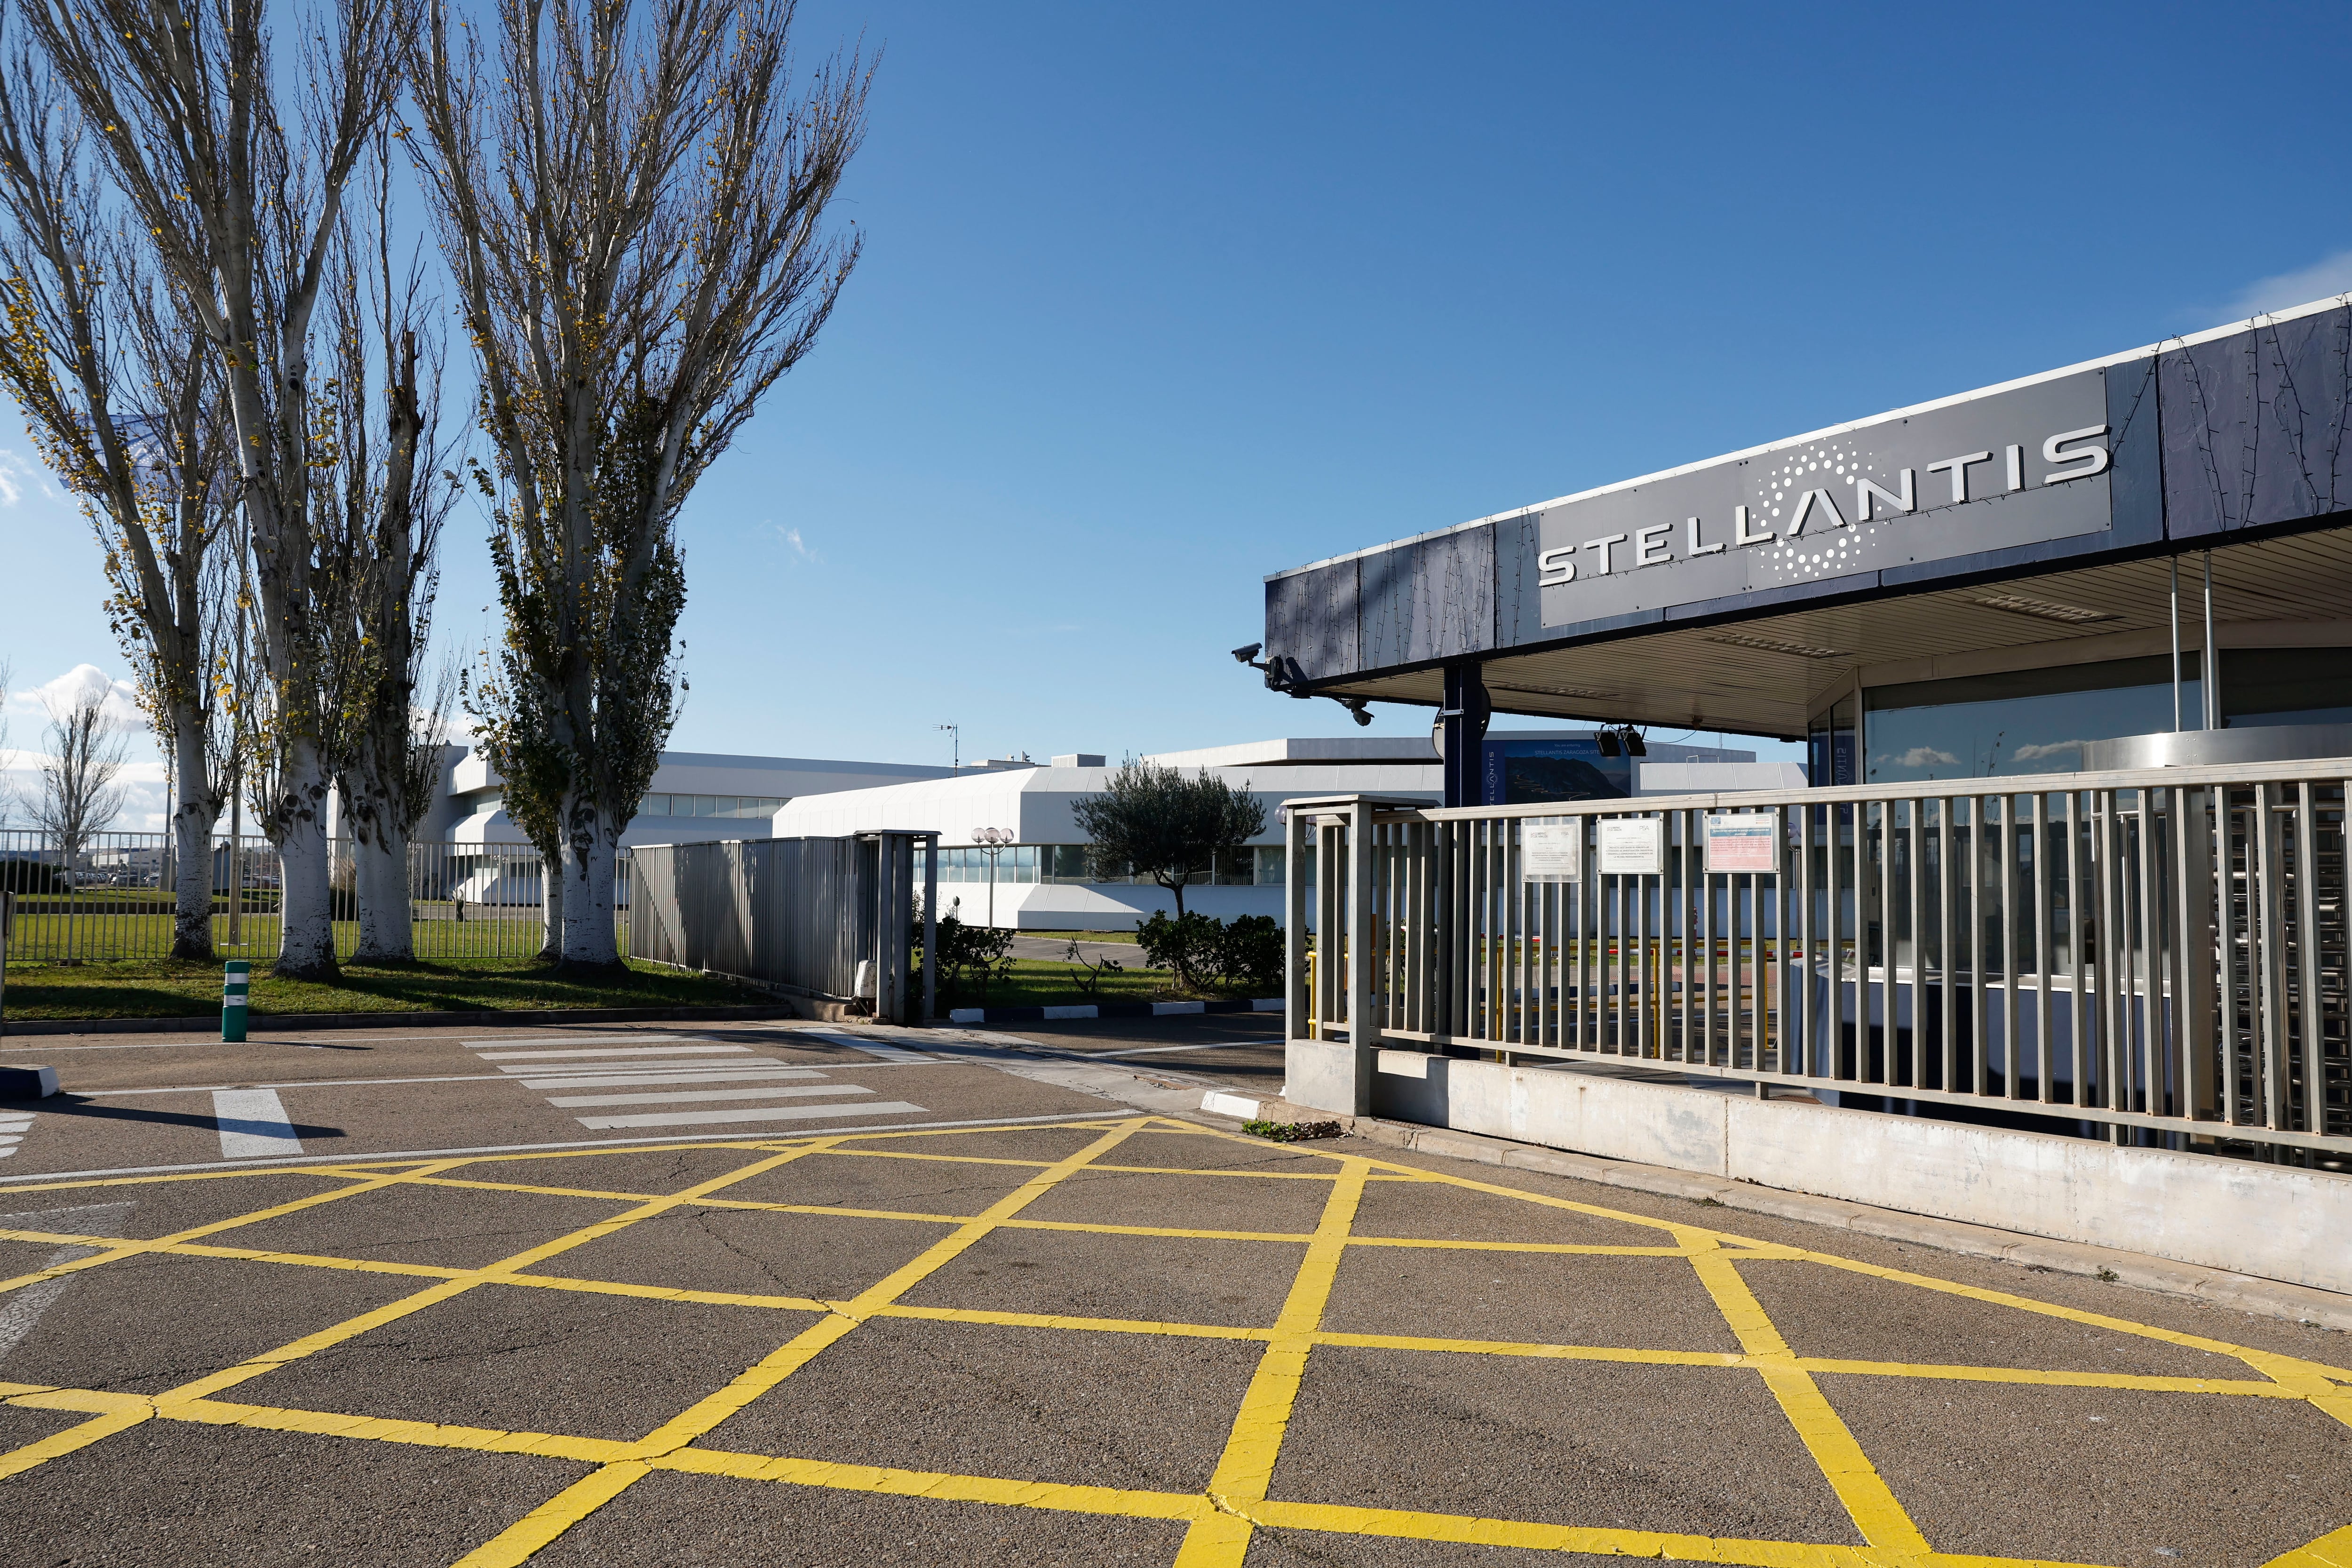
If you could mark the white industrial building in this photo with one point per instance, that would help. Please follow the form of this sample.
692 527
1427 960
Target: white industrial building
1041 881
694 796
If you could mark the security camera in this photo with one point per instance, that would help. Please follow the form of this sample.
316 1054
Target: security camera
1245 654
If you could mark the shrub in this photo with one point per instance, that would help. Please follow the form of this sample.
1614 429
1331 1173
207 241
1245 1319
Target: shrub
1198 950
977 955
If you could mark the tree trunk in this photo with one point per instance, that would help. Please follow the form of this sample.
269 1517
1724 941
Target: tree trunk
590 850
194 813
551 897
388 931
306 948
373 788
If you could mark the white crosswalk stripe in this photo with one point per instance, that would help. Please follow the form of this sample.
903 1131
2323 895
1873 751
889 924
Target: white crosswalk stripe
771 1113
688 1075
14 1125
740 1076
570 1099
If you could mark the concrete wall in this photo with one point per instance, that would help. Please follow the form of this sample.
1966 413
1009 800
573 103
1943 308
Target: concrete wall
2266 1220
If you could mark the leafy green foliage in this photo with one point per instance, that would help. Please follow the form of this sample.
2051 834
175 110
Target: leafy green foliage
968 956
1293 1131
1200 950
1152 821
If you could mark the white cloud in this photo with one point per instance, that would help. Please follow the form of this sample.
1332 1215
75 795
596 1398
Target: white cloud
2035 753
2330 275
1918 757
12 468
798 546
121 698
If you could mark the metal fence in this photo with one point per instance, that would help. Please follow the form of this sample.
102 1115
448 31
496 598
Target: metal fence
2161 953
114 897
804 914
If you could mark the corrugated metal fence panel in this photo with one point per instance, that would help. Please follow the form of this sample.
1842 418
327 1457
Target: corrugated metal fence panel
790 912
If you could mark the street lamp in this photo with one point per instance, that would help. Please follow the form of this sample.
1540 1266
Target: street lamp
993 842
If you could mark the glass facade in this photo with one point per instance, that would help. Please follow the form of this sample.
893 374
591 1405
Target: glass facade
1258 865
2021 722
710 804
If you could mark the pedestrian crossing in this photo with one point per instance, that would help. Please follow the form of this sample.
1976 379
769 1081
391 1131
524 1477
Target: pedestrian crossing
688 1080
14 1125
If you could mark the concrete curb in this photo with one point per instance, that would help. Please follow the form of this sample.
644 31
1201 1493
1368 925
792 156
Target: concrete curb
1107 1010
2216 1286
210 1023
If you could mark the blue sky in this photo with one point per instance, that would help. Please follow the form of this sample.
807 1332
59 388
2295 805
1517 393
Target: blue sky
1156 300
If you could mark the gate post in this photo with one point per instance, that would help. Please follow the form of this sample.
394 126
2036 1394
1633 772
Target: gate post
1363 1014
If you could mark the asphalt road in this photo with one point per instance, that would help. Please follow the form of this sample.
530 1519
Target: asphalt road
943 1300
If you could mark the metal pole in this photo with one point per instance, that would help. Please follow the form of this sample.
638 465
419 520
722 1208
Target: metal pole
7 926
930 923
2176 724
2211 682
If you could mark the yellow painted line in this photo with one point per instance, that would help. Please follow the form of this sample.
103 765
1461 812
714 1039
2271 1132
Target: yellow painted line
88 1401
1559 1248
1245 1469
938 1485
203 1387
481 1186
240 1173
1408 1525
384 1429
1534 1350
2243 1386
1865 1494
1092 1325
2333 1550
2262 1361
118 1249
662 1292
522 1539
57 1443
552 1518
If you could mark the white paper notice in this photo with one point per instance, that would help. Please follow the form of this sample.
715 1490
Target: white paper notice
1552 851
1633 847
1749 841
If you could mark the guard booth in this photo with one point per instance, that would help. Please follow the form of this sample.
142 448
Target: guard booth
2072 658
828 919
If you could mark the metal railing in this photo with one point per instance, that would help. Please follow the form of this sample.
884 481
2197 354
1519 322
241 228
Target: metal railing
2161 953
115 898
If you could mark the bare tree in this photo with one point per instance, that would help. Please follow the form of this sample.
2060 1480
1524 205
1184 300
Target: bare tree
123 398
632 196
243 198
512 738
80 797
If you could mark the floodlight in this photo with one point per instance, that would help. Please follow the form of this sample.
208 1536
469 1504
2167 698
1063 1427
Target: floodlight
1633 744
1608 738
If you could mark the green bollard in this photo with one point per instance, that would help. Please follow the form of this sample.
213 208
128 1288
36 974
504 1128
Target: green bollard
236 979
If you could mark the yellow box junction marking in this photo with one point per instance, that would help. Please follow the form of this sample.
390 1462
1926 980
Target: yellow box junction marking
1220 1519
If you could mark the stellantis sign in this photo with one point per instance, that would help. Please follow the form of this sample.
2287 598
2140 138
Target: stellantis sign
2011 468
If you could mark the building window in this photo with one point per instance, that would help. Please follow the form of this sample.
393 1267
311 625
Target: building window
734 805
2020 721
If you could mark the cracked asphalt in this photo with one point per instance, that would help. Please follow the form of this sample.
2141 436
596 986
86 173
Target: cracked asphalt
984 1308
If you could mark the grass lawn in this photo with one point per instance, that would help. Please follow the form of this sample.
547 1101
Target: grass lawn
161 988
1127 936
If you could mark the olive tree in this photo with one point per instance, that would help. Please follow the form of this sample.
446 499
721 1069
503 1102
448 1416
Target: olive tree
631 196
1152 821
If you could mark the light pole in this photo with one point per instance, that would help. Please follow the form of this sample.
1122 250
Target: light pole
955 746
993 842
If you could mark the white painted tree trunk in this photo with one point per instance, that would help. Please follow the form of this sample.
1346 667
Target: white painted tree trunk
551 895
588 870
306 948
387 930
194 816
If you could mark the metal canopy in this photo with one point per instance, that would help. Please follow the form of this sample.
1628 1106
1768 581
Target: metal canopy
1767 675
